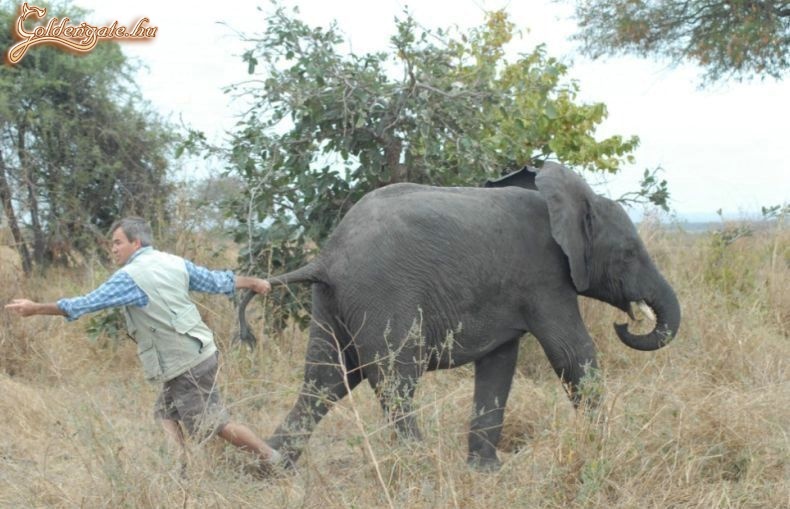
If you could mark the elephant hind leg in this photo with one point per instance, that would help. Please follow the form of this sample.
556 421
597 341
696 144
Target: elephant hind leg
493 379
331 370
395 391
394 361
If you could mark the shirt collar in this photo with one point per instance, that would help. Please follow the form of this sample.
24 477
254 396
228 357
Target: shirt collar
137 253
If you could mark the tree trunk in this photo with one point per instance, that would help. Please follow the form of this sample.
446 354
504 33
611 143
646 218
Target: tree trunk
39 242
392 153
8 208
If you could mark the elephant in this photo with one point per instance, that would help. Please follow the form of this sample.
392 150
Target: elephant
418 278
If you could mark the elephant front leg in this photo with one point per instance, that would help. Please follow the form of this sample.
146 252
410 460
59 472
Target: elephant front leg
326 381
570 350
493 379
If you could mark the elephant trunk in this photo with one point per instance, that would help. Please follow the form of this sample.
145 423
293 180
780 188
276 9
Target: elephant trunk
667 310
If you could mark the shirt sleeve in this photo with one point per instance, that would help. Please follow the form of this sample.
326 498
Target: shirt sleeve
204 280
119 290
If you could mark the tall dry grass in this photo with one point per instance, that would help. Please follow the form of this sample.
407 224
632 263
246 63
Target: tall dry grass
702 423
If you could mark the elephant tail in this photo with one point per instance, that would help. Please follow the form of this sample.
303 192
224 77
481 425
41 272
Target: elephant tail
308 273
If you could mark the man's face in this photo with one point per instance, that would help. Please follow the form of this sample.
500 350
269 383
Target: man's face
122 249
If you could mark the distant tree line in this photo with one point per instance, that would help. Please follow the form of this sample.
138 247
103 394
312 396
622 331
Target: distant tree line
78 147
728 39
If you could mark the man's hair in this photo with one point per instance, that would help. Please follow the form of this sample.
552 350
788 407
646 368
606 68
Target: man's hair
135 228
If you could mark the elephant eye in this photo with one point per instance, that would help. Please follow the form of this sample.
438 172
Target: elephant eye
629 253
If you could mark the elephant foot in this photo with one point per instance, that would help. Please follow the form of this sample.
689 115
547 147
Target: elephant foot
264 470
287 462
485 464
287 455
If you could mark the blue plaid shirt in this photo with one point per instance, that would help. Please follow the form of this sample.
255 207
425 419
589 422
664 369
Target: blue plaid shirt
121 290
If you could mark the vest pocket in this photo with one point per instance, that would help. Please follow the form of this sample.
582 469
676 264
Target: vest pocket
149 358
186 320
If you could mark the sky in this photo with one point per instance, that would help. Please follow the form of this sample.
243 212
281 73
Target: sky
723 147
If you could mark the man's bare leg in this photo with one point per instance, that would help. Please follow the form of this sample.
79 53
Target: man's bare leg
242 437
176 435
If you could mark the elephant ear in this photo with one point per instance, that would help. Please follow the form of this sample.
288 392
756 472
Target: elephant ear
569 200
525 177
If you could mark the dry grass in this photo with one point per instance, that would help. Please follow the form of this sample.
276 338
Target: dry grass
703 423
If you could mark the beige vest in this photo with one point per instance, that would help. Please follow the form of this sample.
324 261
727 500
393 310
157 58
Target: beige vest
170 334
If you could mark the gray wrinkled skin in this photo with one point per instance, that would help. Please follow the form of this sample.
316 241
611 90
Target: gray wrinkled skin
417 278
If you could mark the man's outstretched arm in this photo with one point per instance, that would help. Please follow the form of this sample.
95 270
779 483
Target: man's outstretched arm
226 282
119 290
26 307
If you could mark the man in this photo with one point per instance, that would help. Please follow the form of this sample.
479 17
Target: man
175 347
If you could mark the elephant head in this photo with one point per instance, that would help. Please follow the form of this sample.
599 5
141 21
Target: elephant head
607 259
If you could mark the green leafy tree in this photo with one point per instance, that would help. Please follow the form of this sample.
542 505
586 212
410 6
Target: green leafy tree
739 39
78 146
442 107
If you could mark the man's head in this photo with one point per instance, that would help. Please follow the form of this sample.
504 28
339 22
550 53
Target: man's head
128 235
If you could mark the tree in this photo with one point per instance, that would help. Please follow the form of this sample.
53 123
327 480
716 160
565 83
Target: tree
78 148
739 39
442 108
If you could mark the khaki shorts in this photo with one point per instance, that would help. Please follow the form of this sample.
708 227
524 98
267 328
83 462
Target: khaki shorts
193 399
